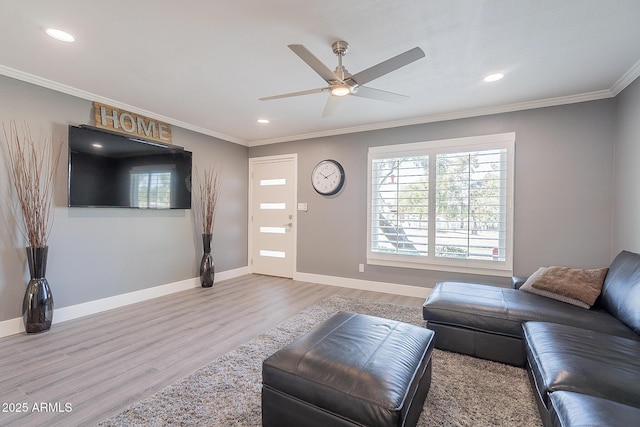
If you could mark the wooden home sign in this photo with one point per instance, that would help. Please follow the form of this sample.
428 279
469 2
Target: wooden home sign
115 119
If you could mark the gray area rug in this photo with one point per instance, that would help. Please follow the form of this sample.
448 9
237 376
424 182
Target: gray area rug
464 391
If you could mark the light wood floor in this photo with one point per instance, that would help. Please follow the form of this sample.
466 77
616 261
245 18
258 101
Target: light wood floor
102 363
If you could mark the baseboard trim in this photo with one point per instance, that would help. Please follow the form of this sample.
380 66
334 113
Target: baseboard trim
366 285
16 326
11 327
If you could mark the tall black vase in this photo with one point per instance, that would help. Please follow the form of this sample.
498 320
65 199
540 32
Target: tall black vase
37 306
207 268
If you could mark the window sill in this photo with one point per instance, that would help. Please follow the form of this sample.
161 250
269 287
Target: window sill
471 267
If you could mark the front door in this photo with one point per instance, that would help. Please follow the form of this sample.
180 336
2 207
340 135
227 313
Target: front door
273 215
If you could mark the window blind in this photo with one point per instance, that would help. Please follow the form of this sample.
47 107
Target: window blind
442 203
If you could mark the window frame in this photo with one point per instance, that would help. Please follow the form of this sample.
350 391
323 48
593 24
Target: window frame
432 149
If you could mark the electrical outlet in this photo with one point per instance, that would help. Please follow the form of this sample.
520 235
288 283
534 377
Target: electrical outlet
361 268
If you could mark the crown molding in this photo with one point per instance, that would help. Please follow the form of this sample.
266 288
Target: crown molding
626 79
69 90
476 112
619 86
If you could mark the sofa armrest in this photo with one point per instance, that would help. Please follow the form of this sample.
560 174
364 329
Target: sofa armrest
517 281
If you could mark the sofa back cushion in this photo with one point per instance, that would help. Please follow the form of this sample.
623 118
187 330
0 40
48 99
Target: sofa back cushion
621 289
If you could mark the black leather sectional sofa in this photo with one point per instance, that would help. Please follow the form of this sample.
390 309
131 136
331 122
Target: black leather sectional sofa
584 364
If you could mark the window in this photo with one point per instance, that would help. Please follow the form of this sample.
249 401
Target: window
444 205
151 187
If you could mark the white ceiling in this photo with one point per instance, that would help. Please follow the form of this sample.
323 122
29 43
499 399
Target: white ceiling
203 64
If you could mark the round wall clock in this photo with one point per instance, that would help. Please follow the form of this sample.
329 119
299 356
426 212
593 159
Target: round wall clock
327 177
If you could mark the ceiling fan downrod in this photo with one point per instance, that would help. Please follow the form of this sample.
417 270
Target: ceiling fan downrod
342 88
340 48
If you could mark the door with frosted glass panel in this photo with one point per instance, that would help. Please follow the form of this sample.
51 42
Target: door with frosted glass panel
273 215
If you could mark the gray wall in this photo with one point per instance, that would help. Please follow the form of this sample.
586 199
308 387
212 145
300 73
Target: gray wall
563 208
626 230
97 253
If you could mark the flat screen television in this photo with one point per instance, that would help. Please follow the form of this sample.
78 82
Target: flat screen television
111 170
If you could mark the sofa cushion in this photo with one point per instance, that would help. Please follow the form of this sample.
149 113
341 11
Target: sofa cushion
566 358
575 409
575 283
621 289
502 311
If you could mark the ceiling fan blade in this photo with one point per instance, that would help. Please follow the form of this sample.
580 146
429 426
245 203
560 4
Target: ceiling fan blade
380 95
330 107
288 95
388 66
313 62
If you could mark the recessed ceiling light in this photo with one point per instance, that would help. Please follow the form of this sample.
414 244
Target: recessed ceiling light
263 121
493 77
63 36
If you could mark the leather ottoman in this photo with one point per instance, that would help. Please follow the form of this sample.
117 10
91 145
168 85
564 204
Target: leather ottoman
351 370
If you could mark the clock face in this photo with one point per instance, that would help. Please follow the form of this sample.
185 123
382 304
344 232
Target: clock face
327 177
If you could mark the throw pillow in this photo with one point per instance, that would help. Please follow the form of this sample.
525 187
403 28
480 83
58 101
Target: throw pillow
528 287
580 284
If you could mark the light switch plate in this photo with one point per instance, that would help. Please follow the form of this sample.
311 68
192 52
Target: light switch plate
302 207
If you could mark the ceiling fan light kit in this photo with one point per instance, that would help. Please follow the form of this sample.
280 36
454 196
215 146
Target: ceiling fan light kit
340 90
341 82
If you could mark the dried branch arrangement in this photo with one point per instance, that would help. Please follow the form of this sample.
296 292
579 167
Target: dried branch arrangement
208 190
32 166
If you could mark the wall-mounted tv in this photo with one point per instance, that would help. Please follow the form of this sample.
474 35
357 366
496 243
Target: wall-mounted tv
111 170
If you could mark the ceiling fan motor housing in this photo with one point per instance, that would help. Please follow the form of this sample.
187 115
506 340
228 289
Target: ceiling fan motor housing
340 47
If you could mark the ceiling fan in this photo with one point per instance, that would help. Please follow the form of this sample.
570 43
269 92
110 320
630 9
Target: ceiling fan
342 83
